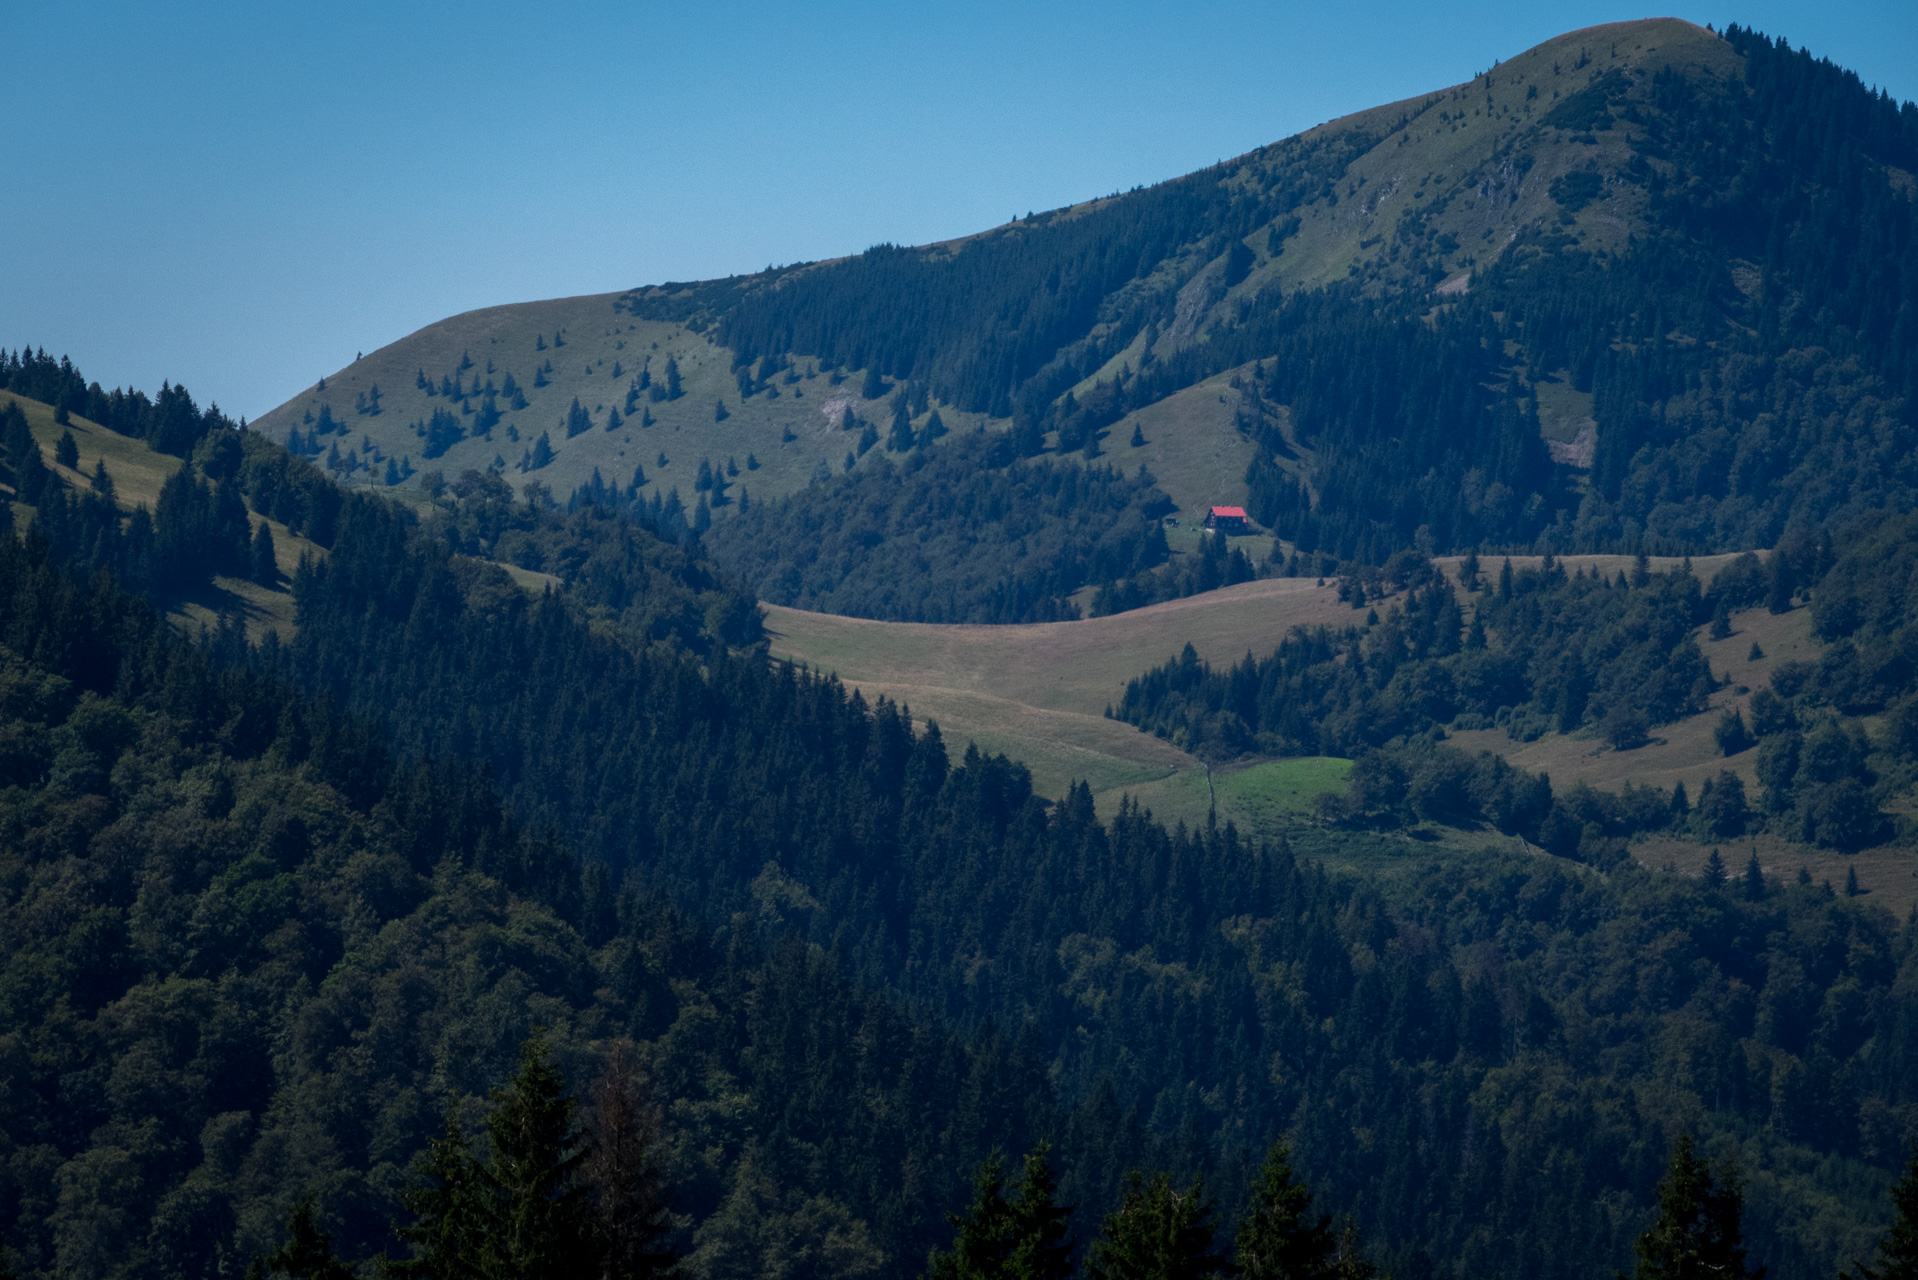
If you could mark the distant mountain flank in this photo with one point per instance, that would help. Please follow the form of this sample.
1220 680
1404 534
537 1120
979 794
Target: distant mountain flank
1643 287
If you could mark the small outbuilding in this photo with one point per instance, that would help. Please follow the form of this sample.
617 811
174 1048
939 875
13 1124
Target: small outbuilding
1227 520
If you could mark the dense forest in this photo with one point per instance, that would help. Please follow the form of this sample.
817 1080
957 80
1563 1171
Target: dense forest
270 908
952 533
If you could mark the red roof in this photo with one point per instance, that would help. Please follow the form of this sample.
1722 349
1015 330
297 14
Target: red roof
1231 513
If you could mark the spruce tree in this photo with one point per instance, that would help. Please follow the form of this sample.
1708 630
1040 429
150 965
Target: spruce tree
1158 1233
1280 1239
308 1251
264 557
539 1209
1022 1238
982 1239
449 1228
1696 1235
1042 1250
1898 1250
66 451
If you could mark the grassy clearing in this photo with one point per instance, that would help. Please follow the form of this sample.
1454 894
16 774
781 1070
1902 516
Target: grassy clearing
1191 447
1265 799
1043 689
137 471
1888 875
1681 752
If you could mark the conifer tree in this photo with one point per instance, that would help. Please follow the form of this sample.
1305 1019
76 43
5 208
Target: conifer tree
1898 1250
901 439
1158 1233
673 390
874 386
539 1207
448 1228
981 1242
67 451
308 1251
264 557
1696 1235
996 1238
1280 1239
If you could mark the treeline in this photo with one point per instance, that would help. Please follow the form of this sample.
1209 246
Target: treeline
1545 649
172 423
960 531
1216 565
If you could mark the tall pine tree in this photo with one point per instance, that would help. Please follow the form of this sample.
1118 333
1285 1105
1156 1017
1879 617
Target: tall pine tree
1158 1233
1696 1235
1280 1239
1022 1238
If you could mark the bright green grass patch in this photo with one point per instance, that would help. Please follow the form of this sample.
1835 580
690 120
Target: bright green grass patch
1280 788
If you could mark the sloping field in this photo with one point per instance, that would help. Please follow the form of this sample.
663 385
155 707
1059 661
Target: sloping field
1040 692
138 472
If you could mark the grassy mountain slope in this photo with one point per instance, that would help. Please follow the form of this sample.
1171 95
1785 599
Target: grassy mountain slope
1409 195
138 471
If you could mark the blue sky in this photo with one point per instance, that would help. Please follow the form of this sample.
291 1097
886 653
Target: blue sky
241 196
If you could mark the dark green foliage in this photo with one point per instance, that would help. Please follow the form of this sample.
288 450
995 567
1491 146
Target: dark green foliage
577 421
308 1251
1731 735
441 433
1158 1232
1574 191
447 1234
1697 1234
996 1238
1898 1250
1560 650
171 423
264 559
1280 1238
315 988
536 1205
1218 564
956 533
67 452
